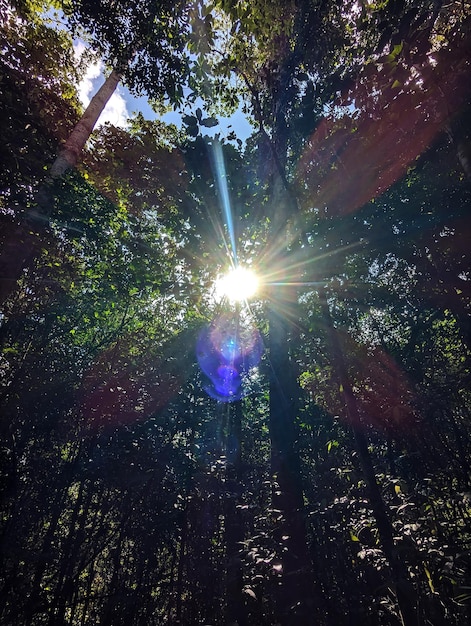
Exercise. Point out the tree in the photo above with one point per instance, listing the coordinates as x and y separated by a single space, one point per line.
37 69
145 46
335 492
275 92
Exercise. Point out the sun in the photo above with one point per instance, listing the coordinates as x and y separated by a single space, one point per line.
238 284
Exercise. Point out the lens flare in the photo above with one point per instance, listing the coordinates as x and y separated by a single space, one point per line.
227 350
221 178
237 285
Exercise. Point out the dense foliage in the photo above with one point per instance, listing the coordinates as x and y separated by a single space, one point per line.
337 491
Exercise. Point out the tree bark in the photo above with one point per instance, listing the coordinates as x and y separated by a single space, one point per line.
70 152
236 612
298 599
23 243
405 594
462 146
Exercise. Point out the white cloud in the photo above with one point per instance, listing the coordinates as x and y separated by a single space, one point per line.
115 112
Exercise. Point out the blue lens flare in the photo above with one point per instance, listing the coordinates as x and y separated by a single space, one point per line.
227 350
221 178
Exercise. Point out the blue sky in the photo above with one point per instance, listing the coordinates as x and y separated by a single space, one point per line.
122 105
237 122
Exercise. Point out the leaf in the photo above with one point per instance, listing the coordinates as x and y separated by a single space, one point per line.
190 120
250 592
209 122
10 350
332 444
464 596
353 537
429 580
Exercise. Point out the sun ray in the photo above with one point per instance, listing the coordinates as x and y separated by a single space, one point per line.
221 179
297 272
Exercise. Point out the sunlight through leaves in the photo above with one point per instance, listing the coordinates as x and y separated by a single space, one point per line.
237 285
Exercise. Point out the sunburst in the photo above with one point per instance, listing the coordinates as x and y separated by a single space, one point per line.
239 284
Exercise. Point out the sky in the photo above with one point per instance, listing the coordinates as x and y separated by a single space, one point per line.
117 110
123 104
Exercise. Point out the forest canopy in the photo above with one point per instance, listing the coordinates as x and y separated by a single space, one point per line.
294 450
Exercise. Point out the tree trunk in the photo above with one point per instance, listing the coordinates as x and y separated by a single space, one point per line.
462 146
23 243
297 599
233 527
405 594
62 590
181 566
70 152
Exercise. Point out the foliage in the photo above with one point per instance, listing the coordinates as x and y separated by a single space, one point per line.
128 496
144 42
37 68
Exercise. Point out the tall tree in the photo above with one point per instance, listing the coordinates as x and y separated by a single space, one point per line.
124 496
144 45
285 76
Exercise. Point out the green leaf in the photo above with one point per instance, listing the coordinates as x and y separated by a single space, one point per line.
332 444
429 580
190 120
209 122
